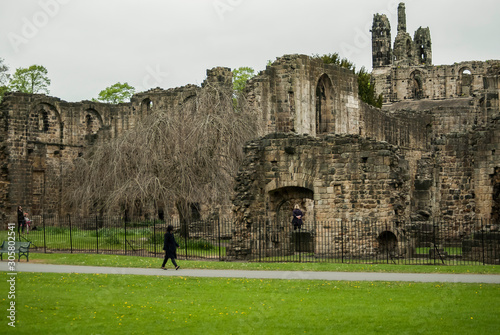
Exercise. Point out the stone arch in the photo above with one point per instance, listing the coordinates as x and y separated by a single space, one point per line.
388 242
146 107
495 210
325 113
409 53
422 55
464 85
416 85
92 122
45 123
282 201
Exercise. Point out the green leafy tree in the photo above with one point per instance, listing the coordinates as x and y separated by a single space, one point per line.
30 80
240 77
366 90
116 93
4 78
335 59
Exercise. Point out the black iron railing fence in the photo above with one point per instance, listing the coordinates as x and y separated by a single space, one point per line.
338 241
354 241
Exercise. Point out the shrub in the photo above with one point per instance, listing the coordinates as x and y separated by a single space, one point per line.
56 230
155 238
197 244
112 240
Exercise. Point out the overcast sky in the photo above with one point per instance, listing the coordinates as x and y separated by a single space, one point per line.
87 45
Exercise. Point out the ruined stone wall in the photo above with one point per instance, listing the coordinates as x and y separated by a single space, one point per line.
408 130
406 72
301 94
41 136
399 83
452 180
285 96
345 176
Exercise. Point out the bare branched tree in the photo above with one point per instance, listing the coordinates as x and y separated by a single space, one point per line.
174 158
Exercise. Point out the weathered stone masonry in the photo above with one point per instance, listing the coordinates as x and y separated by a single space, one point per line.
40 135
333 177
439 127
430 154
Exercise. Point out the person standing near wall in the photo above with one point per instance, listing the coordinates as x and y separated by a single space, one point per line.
27 223
20 218
170 246
297 217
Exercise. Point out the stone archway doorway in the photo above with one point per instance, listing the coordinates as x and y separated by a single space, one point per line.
388 243
495 210
282 202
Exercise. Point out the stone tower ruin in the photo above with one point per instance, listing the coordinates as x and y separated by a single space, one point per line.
429 155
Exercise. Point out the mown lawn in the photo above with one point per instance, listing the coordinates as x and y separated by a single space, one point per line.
152 262
123 304
115 240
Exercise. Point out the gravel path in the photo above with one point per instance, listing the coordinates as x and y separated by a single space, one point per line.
304 275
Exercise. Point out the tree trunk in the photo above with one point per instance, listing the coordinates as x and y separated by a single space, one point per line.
183 209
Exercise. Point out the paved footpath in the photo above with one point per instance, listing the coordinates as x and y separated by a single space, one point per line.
305 275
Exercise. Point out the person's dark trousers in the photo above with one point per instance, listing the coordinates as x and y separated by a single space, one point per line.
166 259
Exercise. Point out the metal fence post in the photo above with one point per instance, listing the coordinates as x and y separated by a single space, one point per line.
300 240
70 234
218 228
342 239
482 240
44 238
97 235
154 236
256 232
186 237
125 233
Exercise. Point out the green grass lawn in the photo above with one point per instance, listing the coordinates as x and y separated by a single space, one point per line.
121 304
116 240
152 262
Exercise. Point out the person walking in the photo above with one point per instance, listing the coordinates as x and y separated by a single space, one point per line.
297 217
170 246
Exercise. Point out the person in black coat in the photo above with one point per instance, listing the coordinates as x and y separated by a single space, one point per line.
297 217
170 246
20 219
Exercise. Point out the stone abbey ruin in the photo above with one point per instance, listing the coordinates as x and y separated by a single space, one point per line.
431 153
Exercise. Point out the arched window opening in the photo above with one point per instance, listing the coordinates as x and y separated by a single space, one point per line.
43 121
423 56
146 107
325 118
92 123
465 83
416 89
89 121
408 48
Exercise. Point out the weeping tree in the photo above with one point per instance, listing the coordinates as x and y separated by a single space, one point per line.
175 157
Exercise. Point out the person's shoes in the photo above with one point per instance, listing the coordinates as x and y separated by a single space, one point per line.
163 268
177 267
